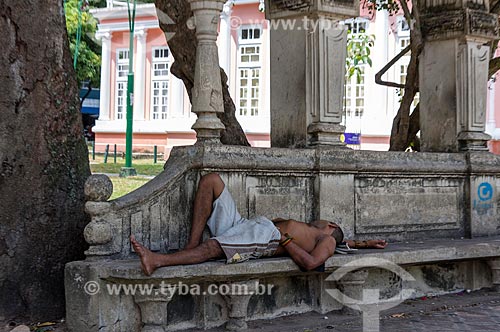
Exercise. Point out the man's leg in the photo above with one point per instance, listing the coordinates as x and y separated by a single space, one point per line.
150 261
209 189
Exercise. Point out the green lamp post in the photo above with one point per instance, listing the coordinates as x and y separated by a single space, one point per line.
128 170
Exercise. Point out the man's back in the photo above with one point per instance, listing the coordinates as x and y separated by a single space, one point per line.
304 235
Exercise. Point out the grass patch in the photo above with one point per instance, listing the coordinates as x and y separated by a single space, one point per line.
142 166
122 186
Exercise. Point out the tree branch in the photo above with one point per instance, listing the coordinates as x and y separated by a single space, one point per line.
494 66
401 124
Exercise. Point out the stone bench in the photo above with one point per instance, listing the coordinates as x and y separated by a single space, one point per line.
439 266
396 196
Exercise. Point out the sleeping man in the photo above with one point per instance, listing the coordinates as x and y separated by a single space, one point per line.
238 239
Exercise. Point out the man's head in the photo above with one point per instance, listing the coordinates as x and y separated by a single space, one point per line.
337 232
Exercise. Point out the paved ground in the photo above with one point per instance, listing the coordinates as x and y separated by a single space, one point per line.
476 311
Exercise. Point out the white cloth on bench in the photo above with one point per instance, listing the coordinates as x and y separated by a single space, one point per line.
241 239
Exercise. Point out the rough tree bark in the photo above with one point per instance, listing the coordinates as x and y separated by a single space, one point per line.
402 126
183 48
43 160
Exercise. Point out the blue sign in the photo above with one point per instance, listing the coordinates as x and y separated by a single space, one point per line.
91 102
351 138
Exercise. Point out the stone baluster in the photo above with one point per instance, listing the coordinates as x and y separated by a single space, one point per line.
495 273
100 233
453 74
237 303
154 309
319 290
207 91
352 288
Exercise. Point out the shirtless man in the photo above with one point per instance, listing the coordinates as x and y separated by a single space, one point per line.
238 239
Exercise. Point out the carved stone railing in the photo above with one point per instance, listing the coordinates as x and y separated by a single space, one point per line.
368 193
409 197
157 213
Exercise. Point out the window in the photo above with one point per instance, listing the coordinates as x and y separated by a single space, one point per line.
122 58
403 27
354 99
356 25
402 66
249 71
159 77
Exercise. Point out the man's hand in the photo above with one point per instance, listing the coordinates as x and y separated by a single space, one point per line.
377 244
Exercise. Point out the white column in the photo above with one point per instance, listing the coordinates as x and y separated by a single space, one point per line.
104 104
491 124
379 122
176 105
140 75
225 38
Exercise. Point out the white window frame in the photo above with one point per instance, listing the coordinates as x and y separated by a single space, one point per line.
121 80
356 22
353 112
161 79
251 65
403 27
402 64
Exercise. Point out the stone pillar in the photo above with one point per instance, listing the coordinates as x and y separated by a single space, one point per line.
483 200
495 273
308 71
453 74
491 125
140 75
153 311
351 287
238 304
99 232
225 38
104 103
319 288
207 90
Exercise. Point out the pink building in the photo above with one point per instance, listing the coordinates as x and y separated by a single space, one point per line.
162 111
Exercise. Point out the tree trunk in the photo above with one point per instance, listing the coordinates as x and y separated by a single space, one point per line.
494 66
173 16
400 134
43 160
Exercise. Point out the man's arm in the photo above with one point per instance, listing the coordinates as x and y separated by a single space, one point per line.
309 261
373 244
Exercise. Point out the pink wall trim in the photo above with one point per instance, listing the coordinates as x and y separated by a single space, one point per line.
137 19
145 142
375 139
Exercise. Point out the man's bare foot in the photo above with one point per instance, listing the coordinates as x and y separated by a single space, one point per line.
146 256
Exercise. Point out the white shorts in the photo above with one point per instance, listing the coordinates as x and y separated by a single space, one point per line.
241 239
